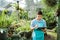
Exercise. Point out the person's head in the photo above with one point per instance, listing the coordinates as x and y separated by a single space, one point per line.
39 15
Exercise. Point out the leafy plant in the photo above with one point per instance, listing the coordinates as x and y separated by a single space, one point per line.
51 2
5 19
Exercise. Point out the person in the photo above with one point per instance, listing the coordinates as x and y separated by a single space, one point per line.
38 26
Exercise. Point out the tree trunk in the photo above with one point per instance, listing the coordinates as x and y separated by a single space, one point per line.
58 31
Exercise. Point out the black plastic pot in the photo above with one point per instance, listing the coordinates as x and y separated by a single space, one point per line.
3 34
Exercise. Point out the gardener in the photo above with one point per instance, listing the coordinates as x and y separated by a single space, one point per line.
38 25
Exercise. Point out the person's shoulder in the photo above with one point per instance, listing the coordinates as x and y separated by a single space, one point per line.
33 20
43 20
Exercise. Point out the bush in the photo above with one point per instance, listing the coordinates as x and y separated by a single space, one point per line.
51 2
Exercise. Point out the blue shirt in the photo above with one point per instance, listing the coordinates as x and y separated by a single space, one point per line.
38 35
40 23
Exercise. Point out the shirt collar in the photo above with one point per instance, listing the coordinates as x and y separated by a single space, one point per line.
38 20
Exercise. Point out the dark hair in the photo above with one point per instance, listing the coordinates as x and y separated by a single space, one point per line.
39 13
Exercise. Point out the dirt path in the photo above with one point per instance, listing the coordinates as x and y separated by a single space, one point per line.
49 37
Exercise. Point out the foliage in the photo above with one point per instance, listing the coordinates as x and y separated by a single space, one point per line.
25 26
50 18
23 15
49 14
58 11
50 3
4 19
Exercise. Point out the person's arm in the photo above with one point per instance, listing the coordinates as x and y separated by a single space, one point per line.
33 26
45 27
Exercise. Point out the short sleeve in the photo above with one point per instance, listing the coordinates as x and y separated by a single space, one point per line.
32 24
45 24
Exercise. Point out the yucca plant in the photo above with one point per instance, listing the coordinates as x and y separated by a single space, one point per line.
5 20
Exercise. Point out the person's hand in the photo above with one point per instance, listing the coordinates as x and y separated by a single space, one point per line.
36 26
44 30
